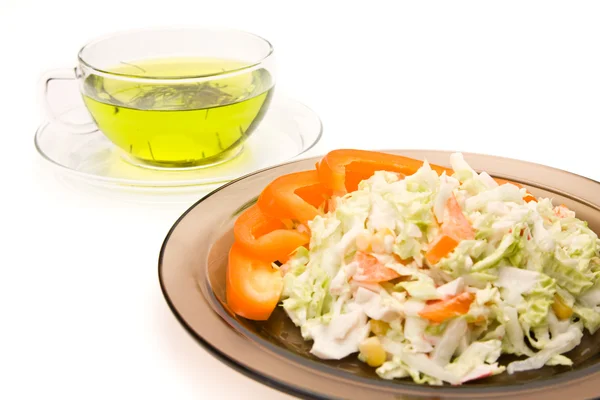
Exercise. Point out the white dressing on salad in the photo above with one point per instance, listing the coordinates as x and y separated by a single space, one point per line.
340 337
377 307
527 284
515 282
452 288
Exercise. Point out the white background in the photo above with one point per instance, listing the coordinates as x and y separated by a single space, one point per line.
82 316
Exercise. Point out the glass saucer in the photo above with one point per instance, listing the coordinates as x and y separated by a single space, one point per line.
288 129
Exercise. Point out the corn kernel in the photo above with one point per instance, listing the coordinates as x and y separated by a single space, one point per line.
561 309
387 231
372 352
379 328
363 242
383 241
378 242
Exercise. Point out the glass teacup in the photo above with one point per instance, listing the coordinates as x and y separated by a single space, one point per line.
174 98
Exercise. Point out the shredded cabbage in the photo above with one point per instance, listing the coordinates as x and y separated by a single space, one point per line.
532 277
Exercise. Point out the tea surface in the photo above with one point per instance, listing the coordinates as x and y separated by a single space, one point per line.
178 124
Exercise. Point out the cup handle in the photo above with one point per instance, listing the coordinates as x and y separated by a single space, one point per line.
63 74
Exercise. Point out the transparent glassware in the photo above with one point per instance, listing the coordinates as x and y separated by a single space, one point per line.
172 97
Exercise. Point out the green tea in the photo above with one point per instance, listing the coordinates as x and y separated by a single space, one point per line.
171 123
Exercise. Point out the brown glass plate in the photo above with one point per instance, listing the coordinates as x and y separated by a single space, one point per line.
192 277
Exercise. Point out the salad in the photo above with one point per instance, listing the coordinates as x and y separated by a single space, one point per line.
421 271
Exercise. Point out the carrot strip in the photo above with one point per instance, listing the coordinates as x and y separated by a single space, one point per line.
441 310
443 246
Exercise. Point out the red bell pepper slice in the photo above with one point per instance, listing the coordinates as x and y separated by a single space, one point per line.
266 238
253 287
342 170
296 197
